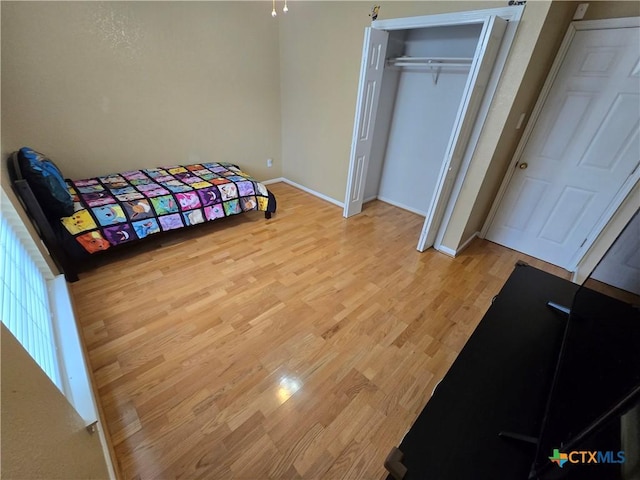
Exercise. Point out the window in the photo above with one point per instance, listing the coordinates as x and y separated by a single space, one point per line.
24 301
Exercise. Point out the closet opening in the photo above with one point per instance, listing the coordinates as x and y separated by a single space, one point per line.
425 87
422 87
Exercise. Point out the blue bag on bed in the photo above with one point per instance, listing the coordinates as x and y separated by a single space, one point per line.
46 182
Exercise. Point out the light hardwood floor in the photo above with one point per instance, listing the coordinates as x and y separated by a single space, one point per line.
299 347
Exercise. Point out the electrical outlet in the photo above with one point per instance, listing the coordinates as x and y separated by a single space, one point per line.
269 162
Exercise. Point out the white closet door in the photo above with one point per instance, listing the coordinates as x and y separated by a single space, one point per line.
371 70
620 267
481 67
581 152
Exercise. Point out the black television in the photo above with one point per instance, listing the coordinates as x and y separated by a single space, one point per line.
591 426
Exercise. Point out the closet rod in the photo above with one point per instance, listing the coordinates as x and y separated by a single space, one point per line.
429 62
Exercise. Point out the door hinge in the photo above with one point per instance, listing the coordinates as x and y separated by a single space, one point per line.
583 242
91 428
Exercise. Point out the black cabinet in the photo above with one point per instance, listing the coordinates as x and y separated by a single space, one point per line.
500 382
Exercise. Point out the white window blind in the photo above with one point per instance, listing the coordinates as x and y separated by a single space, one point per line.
24 301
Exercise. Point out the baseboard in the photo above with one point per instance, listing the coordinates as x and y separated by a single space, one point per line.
78 384
454 253
446 250
467 242
273 180
308 190
402 206
370 199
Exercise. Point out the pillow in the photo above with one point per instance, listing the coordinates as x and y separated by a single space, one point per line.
46 182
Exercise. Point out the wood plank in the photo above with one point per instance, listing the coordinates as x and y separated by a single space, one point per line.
299 347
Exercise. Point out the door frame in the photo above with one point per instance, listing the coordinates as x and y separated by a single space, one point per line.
512 14
630 182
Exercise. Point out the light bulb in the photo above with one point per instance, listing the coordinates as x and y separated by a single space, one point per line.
285 9
273 12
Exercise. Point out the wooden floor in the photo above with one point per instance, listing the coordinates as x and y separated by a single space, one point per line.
299 347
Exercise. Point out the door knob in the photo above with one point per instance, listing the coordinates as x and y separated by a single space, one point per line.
523 166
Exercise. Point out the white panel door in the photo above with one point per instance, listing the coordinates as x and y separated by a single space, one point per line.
479 74
583 149
371 71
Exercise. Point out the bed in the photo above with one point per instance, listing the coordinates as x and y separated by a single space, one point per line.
78 219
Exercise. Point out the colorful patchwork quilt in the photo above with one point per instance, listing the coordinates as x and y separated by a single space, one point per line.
127 206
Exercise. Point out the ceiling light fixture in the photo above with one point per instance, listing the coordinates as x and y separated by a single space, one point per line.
274 13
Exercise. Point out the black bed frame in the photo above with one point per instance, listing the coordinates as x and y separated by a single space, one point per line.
64 262
39 220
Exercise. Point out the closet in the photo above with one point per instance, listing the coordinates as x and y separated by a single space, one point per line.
421 96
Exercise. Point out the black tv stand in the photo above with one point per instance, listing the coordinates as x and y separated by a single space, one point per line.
520 437
499 383
559 308
575 383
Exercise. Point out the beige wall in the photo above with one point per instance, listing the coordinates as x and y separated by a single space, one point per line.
612 9
109 86
319 75
320 51
42 435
